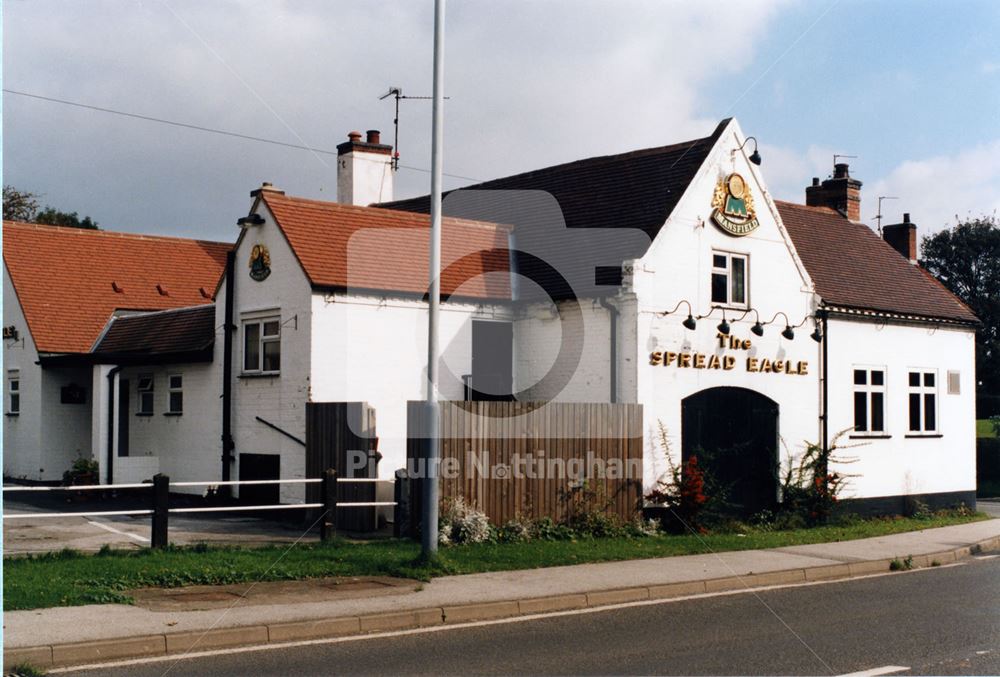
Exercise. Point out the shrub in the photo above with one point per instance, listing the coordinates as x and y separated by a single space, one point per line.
917 509
546 529
809 487
82 468
461 523
516 530
640 528
681 490
586 512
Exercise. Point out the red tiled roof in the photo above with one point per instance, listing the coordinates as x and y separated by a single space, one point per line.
347 247
64 278
854 268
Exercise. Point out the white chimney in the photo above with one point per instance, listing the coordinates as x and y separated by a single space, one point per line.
364 170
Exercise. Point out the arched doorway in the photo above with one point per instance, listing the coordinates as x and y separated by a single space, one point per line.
734 434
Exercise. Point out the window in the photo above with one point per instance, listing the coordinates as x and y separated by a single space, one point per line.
923 401
869 400
262 346
14 392
729 279
175 400
144 387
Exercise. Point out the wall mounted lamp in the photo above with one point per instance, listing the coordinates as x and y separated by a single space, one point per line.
690 322
789 331
755 155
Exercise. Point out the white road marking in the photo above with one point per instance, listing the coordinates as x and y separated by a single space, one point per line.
478 624
106 527
885 670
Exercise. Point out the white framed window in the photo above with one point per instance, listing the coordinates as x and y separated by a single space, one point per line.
729 279
175 394
262 345
922 391
144 389
14 392
869 400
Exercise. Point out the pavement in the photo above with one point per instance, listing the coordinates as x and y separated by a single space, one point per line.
97 633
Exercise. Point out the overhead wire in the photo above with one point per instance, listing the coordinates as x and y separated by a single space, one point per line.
210 130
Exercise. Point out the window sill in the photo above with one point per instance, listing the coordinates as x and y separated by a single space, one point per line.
173 413
143 413
12 414
252 375
916 436
861 436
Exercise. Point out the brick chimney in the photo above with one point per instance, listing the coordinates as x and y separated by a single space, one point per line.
364 170
840 192
903 238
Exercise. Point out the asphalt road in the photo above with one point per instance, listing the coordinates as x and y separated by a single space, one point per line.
933 621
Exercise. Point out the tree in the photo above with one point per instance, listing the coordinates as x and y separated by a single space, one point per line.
18 205
966 259
23 206
54 217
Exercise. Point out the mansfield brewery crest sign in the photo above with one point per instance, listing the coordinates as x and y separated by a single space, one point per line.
732 206
260 262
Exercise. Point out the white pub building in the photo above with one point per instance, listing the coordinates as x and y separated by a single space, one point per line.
746 327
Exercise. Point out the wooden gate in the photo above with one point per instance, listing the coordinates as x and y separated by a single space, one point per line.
514 459
336 432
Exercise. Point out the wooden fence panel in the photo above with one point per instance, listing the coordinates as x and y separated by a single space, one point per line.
531 459
334 429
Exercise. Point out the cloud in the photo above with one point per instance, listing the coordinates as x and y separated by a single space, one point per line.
531 84
935 190
788 171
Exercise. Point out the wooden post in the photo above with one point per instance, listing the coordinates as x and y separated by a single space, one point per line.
161 510
401 513
328 529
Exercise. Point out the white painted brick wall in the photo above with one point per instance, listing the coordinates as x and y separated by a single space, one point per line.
188 446
22 434
678 266
538 334
901 464
374 349
279 399
134 469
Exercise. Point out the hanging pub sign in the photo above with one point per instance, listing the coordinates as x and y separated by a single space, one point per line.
732 206
260 262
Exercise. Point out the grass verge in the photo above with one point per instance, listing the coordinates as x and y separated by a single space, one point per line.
70 578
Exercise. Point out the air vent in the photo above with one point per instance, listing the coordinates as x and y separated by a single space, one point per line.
954 383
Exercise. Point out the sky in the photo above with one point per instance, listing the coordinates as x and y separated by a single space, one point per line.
912 88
